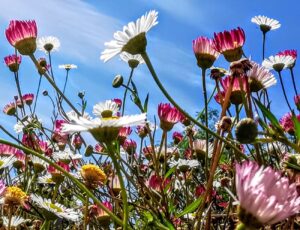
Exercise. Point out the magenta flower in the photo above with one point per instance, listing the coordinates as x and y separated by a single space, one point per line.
287 123
129 146
237 92
118 101
204 52
13 61
7 150
177 137
28 98
230 43
297 101
124 132
22 35
2 187
265 196
168 116
219 97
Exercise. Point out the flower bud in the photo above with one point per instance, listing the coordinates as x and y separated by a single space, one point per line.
118 81
246 131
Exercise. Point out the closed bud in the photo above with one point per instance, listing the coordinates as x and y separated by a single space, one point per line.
246 131
118 81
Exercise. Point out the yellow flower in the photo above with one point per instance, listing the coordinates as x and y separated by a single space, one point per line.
15 196
92 175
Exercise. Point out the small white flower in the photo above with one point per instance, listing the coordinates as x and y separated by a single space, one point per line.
74 114
260 77
25 122
67 66
278 62
15 221
48 44
55 208
36 160
47 179
133 29
66 155
200 147
266 23
125 56
80 124
105 106
185 163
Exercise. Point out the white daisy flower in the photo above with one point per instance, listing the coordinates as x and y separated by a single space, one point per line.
278 62
132 38
66 155
81 124
55 209
200 147
182 163
67 66
15 221
47 179
6 161
266 23
260 78
26 122
48 44
106 108
126 57
74 114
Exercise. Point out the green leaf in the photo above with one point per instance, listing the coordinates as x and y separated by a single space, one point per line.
296 167
146 103
268 114
168 224
149 216
191 207
170 171
297 126
134 88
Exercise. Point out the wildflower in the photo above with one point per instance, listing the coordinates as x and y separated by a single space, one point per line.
92 175
14 222
265 197
132 39
266 24
237 93
106 127
124 132
114 184
10 109
204 52
56 175
48 44
14 196
13 62
230 43
107 108
77 141
239 68
287 123
217 73
39 165
7 150
199 146
6 161
278 62
168 116
184 165
67 66
177 137
101 216
297 101
22 36
55 210
290 53
132 60
28 98
246 131
260 78
129 146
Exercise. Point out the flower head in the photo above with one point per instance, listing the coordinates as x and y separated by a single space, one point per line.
13 62
67 66
199 147
53 210
14 222
177 137
266 24
106 109
22 35
14 196
287 123
204 52
133 37
129 146
132 60
48 44
28 98
230 43
168 116
265 196
237 93
92 175
185 165
260 78
10 109
278 62
290 53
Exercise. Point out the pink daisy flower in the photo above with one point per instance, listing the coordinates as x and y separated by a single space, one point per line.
10 109
237 92
13 61
168 116
28 98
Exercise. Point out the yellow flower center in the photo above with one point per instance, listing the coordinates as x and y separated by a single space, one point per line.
16 192
53 206
1 163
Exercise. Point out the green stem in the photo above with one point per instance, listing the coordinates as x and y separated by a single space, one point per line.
55 193
164 91
126 89
284 93
55 86
206 119
68 175
46 225
123 189
9 217
86 212
65 85
37 93
264 44
293 79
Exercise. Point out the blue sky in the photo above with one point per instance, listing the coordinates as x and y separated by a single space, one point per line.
84 26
